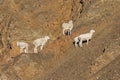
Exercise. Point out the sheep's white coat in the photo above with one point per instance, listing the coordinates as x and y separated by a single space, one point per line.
23 46
86 36
40 42
67 27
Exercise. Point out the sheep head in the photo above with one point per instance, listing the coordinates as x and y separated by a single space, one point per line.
47 37
92 31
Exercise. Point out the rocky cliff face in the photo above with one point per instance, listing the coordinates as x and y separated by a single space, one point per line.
27 20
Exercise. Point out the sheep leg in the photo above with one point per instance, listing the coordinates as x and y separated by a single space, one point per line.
35 49
69 32
21 50
75 44
76 41
42 47
80 44
87 42
26 49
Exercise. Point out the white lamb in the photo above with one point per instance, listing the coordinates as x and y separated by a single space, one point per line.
67 27
84 37
23 46
40 42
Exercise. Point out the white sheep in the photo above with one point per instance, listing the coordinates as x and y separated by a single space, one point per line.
67 27
84 37
40 42
23 46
